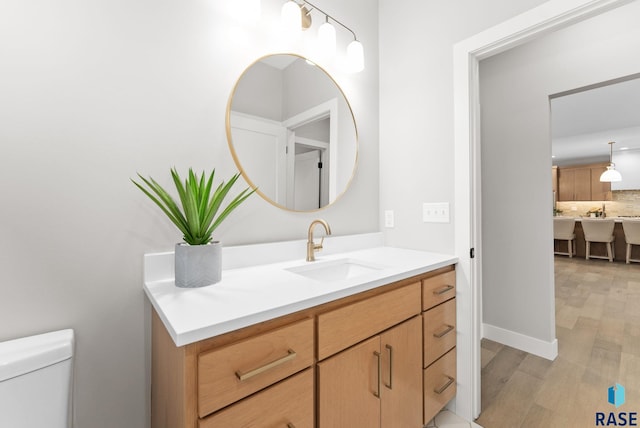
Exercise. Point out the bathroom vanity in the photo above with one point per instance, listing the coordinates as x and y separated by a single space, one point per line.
297 344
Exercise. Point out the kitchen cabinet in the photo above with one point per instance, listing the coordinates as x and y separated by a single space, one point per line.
574 184
376 383
582 183
354 361
599 191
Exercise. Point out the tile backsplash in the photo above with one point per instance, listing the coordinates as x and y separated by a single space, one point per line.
623 203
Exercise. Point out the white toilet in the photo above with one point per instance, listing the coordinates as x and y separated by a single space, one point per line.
36 381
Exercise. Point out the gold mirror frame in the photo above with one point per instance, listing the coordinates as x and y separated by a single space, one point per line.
247 175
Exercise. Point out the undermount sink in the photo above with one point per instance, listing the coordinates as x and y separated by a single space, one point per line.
333 270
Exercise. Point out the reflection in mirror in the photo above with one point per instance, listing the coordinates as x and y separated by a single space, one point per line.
292 133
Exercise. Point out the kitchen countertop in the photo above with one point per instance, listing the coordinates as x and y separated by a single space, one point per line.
252 294
617 219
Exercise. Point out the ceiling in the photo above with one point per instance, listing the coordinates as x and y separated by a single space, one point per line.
583 123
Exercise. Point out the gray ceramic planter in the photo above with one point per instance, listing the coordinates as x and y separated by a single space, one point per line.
198 265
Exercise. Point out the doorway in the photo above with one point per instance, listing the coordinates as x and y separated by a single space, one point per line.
467 54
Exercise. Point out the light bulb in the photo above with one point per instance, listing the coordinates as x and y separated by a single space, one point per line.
355 56
327 39
290 16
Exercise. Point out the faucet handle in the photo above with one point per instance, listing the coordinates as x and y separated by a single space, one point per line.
318 247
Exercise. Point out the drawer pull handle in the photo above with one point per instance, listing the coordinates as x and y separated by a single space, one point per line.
251 373
290 425
445 386
444 332
377 392
390 349
443 290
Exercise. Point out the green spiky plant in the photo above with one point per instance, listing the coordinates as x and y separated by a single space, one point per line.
197 214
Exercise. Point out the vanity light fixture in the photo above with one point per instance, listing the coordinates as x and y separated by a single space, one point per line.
611 175
327 38
296 16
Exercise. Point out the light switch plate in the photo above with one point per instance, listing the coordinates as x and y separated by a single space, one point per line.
388 218
435 212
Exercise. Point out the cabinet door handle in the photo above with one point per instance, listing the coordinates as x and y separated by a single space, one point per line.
447 330
290 425
443 290
390 349
251 373
377 392
445 386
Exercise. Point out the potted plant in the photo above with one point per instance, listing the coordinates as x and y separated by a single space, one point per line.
198 260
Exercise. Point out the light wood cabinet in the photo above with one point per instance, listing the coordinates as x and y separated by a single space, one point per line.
356 361
439 341
439 384
341 328
230 373
599 191
376 383
286 404
582 183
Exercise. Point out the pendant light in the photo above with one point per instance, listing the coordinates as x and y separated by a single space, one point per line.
611 175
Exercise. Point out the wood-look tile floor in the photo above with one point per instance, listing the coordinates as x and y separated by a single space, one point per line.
598 331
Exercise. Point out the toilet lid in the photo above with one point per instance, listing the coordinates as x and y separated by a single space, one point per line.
26 354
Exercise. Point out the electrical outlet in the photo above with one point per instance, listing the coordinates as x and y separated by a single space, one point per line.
388 218
435 212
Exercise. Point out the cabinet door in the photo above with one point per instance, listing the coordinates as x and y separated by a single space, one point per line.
566 186
349 387
401 393
599 191
583 184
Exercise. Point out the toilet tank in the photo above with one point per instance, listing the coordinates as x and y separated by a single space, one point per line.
36 381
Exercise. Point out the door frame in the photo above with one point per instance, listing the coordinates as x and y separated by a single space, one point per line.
537 22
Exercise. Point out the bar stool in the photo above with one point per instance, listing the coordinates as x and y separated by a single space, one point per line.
599 230
563 230
631 236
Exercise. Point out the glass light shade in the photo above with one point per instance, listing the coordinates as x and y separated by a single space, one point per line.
327 39
290 16
610 175
355 56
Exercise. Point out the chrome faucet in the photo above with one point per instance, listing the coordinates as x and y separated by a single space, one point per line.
311 246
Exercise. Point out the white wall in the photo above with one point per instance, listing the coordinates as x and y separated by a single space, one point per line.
416 108
518 292
628 163
93 92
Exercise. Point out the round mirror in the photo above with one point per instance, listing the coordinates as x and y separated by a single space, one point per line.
292 133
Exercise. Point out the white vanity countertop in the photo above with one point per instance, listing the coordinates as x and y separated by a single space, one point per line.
253 294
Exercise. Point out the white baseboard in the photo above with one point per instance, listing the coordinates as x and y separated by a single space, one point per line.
548 350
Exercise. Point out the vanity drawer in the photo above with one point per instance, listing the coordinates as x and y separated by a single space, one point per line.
439 327
288 402
343 327
439 384
438 289
230 373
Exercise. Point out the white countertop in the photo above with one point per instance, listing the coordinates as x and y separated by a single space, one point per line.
252 294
